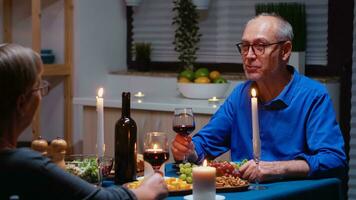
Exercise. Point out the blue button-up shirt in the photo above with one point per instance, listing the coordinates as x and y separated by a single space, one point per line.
298 124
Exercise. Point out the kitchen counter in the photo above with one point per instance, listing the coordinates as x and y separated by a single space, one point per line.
158 103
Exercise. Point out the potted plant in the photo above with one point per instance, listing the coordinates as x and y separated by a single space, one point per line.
142 52
294 13
186 36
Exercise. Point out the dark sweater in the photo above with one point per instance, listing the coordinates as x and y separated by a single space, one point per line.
29 175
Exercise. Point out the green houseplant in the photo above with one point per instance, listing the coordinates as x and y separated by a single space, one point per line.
142 55
294 13
187 36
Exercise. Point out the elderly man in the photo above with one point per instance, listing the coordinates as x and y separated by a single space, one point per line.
298 130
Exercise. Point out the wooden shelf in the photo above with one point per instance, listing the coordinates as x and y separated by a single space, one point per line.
56 70
52 69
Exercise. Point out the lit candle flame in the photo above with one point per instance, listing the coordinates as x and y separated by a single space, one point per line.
155 146
100 92
253 92
205 163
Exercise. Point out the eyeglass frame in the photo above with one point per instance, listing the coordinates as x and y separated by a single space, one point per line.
254 46
43 88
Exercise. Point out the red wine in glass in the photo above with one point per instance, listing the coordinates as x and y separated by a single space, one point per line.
184 130
183 122
156 158
156 149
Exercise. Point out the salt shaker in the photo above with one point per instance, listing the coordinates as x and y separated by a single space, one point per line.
40 145
58 149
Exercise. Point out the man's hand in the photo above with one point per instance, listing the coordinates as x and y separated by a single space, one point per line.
152 188
275 170
181 147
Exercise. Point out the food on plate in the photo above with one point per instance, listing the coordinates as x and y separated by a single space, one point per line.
223 169
173 184
229 181
86 169
185 171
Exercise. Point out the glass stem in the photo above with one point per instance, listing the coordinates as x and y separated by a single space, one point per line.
257 161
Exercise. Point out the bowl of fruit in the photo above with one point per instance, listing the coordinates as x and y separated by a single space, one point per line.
202 84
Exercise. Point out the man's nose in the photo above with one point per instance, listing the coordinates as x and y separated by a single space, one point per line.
250 52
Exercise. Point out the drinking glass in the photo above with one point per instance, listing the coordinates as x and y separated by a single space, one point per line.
257 159
156 149
105 166
183 122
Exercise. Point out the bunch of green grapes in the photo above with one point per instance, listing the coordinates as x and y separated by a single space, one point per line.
185 170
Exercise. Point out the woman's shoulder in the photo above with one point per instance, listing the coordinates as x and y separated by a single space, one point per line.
22 157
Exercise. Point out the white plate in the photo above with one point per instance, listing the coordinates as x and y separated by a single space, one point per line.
217 197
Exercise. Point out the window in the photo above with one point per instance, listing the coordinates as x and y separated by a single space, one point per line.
221 27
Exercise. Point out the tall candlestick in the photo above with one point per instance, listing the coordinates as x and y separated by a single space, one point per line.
204 182
255 126
100 123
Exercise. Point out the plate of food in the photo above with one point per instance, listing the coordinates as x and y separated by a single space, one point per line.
227 175
176 186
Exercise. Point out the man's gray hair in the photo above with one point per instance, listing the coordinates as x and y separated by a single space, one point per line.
285 30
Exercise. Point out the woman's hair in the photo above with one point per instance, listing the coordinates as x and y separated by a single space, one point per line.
18 73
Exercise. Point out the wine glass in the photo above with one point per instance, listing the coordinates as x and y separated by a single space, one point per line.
156 149
183 122
257 159
105 165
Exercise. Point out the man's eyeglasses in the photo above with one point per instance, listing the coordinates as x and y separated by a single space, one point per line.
258 49
43 88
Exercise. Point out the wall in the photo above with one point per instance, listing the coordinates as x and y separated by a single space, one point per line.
99 46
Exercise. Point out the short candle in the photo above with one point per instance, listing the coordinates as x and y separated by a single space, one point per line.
213 99
204 182
139 94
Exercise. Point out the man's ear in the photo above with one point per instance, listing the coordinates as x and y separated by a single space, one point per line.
20 105
286 50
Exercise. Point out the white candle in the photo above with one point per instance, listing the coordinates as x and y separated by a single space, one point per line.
255 126
139 94
100 123
204 182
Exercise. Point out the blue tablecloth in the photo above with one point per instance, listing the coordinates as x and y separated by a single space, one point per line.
329 188
324 189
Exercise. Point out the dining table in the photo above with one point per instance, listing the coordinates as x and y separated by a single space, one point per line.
325 188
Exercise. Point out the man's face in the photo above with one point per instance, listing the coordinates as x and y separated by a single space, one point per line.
261 31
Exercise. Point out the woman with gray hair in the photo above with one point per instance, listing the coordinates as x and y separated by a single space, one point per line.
25 173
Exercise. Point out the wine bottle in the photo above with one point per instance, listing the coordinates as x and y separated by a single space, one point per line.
125 144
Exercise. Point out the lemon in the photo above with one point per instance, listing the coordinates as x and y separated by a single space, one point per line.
183 80
202 80
214 75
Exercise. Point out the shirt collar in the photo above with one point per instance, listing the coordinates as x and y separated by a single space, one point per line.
285 97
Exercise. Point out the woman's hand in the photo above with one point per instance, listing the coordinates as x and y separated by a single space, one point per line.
153 187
